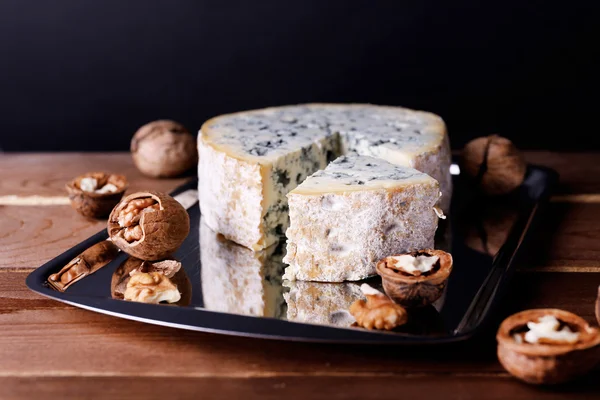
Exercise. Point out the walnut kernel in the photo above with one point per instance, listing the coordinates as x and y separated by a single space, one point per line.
378 312
151 287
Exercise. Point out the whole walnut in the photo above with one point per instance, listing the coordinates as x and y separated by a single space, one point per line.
163 149
148 225
495 164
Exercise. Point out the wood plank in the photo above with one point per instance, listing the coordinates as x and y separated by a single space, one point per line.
568 235
46 338
63 342
14 295
578 171
380 386
30 236
45 174
574 292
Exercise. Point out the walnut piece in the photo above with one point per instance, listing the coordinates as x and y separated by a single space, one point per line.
129 217
88 184
151 287
167 267
378 312
86 263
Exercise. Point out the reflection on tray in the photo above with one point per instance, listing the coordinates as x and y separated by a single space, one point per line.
239 281
321 303
488 225
121 277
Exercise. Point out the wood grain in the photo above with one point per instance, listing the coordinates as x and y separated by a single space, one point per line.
566 236
45 174
30 236
14 295
381 386
578 171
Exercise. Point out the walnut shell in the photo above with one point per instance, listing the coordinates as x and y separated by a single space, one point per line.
86 263
495 164
487 226
598 306
93 204
151 231
122 275
164 149
548 363
416 291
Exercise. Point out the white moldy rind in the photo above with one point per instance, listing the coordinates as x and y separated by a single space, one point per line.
230 194
284 143
354 213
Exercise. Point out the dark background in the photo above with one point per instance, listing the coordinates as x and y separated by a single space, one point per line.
84 75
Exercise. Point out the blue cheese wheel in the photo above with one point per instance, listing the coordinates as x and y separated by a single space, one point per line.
250 161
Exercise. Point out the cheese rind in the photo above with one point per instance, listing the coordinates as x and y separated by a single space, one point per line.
355 212
249 161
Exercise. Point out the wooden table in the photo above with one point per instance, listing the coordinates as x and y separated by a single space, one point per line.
51 350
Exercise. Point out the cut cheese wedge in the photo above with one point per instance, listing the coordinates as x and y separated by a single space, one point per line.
354 213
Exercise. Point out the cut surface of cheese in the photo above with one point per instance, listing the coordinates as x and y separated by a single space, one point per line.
237 280
321 303
355 212
250 161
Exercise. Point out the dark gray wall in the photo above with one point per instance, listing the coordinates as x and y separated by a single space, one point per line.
83 75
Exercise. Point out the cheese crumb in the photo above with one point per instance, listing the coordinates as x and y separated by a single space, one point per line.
415 265
108 188
439 212
88 184
547 328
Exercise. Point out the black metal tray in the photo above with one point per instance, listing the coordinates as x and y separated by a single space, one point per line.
485 237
